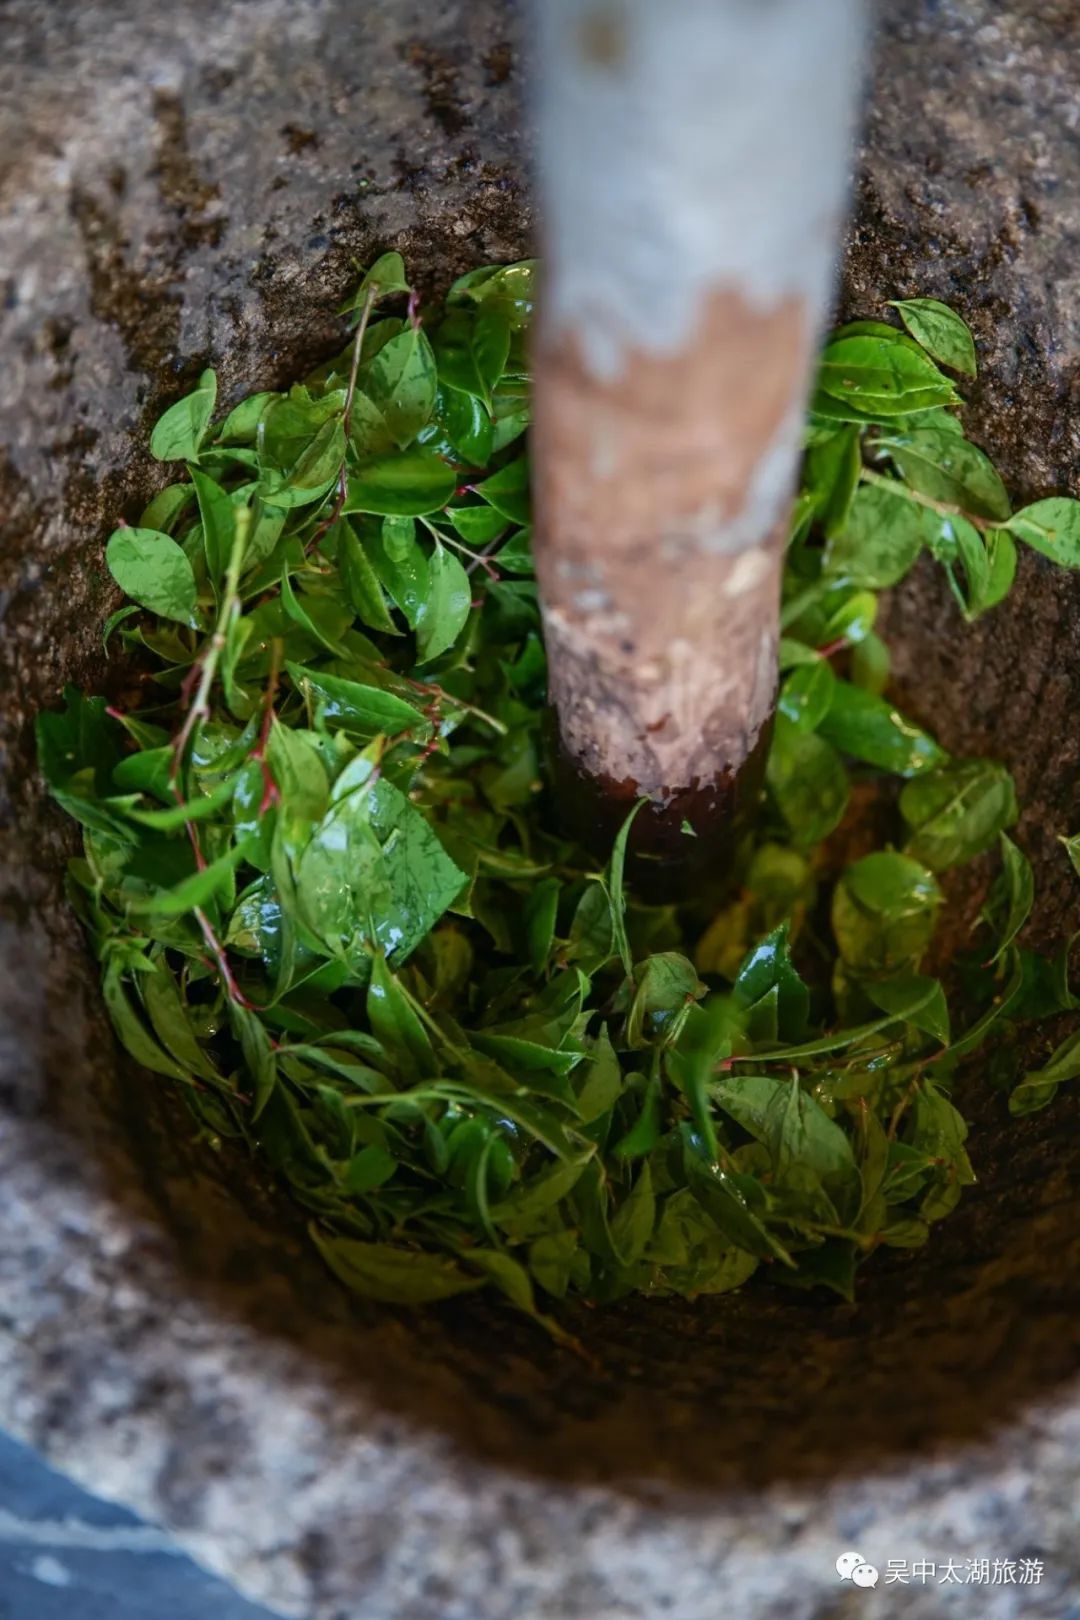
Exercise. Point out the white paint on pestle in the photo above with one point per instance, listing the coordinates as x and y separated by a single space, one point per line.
686 145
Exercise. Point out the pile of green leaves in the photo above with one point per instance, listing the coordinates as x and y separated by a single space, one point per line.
330 898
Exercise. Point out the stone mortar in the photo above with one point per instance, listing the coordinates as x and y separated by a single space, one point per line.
193 184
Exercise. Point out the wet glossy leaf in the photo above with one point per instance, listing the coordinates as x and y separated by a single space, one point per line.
374 874
807 782
767 967
879 542
957 811
363 710
445 607
870 729
412 484
401 382
362 582
508 491
806 694
883 912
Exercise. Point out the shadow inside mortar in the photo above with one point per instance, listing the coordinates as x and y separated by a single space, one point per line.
943 1347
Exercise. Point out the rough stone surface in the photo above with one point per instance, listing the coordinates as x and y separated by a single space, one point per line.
193 181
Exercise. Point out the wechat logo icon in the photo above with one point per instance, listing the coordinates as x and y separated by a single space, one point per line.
851 1566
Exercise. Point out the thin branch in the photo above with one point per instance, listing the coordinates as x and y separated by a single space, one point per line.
358 343
205 667
943 507
346 421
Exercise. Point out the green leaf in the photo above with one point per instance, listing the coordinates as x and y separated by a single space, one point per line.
614 888
632 1224
665 984
472 350
880 541
163 510
551 1261
81 741
600 1082
362 582
541 910
767 967
401 382
807 782
796 1130
199 890
297 609
957 811
940 330
542 1193
445 608
386 276
871 664
806 694
317 468
393 1276
241 426
364 711
412 484
914 996
258 1055
468 425
883 912
374 874
401 564
1001 571
948 468
830 1265
477 525
644 1133
132 1033
1051 527
172 1024
706 1039
872 378
734 1203
871 729
218 524
1019 895
179 433
1038 1086
832 478
394 1019
510 287
508 491
153 570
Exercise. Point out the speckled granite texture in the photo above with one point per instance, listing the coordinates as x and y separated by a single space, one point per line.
194 181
